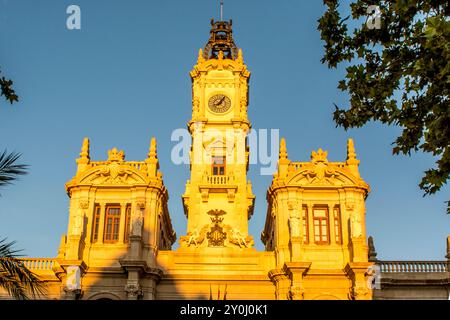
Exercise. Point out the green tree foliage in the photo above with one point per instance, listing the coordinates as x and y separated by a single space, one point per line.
7 90
397 74
15 278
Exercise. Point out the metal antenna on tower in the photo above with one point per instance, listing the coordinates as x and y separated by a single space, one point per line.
221 10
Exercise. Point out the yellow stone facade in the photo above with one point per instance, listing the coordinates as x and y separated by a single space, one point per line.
120 236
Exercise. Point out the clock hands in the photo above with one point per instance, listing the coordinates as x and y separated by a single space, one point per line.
220 101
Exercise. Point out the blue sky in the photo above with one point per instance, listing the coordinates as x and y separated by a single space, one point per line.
124 77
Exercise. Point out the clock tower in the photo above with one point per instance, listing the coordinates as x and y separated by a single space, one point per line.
218 200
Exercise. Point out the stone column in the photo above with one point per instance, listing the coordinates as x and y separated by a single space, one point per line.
133 288
331 224
310 215
281 282
295 229
123 218
101 226
357 273
296 271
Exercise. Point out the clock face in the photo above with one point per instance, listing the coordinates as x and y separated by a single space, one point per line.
219 103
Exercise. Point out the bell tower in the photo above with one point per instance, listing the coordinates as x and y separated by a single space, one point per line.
218 201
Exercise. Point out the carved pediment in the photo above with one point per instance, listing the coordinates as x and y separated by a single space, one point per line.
113 173
321 174
218 144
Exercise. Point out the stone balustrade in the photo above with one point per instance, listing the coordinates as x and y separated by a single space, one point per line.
412 266
39 264
218 180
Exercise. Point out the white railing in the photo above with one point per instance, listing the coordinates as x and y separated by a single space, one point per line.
39 263
412 266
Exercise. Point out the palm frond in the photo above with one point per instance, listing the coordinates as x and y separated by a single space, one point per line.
15 278
9 171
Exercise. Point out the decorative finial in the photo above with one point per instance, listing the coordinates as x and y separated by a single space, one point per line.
351 154
352 162
152 161
283 149
152 154
240 56
115 155
85 149
319 156
221 10
372 251
62 247
84 159
200 58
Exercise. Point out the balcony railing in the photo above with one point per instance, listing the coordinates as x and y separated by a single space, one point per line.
412 266
138 165
40 264
218 180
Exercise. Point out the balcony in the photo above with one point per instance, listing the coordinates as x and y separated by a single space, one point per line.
412 266
220 180
218 184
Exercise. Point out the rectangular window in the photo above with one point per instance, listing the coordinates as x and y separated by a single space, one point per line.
127 223
218 166
96 223
305 224
112 222
321 225
337 224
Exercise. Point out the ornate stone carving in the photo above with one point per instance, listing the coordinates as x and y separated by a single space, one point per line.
216 237
205 195
137 220
238 238
296 293
78 222
133 290
294 223
319 156
84 205
355 225
196 105
195 237
115 155
359 293
113 173
231 193
350 206
292 205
